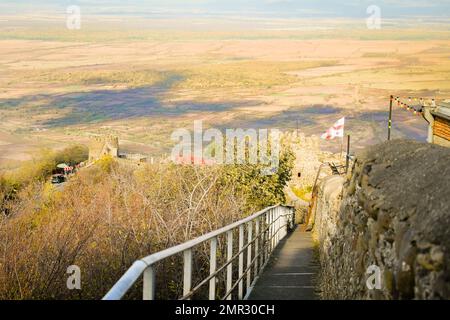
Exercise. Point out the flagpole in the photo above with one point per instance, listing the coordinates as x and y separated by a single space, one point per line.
347 158
390 118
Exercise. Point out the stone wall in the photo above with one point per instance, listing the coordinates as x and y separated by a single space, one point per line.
392 212
309 158
100 146
325 220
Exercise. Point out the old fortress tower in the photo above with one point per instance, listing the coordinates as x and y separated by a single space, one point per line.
101 146
108 145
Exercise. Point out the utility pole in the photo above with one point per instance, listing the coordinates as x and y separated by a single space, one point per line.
390 119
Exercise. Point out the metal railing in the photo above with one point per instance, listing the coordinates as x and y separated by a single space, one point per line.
270 226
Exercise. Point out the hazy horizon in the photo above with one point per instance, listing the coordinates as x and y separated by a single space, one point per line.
248 8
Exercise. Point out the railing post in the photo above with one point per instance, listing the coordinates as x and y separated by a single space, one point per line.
292 219
257 235
212 268
230 266
279 223
187 282
286 221
149 284
277 226
289 220
272 235
249 255
269 232
241 262
264 240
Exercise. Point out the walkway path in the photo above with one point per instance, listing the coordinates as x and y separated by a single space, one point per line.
296 201
291 272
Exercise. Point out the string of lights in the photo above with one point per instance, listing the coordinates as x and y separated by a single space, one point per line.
415 109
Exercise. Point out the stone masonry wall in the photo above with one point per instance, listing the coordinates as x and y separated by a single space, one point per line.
392 212
325 219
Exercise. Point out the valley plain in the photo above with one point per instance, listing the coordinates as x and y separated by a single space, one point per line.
59 86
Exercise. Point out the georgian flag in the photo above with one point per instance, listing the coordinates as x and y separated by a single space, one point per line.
336 131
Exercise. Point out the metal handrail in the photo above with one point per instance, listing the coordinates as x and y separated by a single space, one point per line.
265 221
228 263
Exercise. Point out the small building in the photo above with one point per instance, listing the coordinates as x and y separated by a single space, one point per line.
438 118
101 146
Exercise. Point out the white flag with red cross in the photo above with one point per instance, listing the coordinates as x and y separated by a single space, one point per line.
336 131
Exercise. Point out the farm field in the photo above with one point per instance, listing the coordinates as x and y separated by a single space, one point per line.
58 87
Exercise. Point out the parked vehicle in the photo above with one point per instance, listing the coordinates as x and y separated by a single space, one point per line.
58 179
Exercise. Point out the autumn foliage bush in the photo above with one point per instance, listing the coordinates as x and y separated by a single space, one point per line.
114 213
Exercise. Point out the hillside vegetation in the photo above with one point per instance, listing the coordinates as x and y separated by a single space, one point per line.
36 171
113 213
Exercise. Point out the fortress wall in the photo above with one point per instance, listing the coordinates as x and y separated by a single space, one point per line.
97 146
392 212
